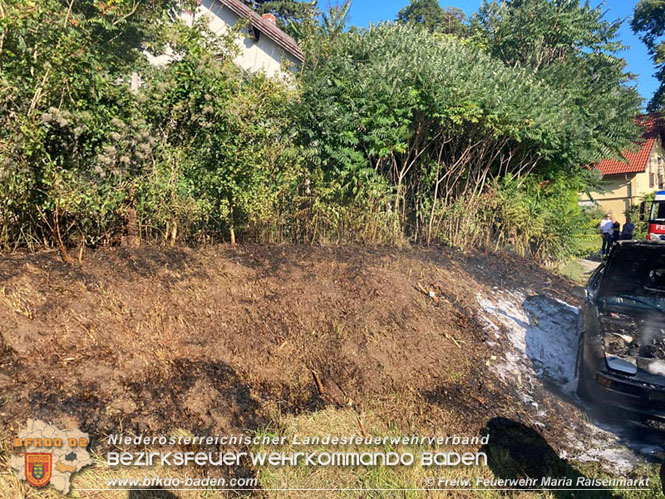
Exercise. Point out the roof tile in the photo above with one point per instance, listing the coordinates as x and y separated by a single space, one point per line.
636 162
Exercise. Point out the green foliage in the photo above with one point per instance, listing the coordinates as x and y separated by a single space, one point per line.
295 17
381 116
539 217
649 23
201 151
640 213
62 67
569 46
336 20
412 131
224 143
434 18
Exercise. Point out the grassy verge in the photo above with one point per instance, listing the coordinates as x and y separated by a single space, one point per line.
360 481
378 481
574 271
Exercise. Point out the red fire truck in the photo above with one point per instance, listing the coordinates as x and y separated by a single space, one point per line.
656 229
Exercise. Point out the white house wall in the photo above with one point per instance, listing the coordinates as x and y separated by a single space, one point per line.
262 55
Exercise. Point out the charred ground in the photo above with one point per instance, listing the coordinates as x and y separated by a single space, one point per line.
224 339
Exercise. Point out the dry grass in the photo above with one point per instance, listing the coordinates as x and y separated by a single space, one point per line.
398 481
19 300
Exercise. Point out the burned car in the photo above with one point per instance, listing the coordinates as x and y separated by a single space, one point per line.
621 356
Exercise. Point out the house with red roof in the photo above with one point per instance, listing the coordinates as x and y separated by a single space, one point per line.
641 172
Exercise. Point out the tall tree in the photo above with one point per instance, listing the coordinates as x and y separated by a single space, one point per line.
649 23
337 19
571 46
293 16
428 122
432 16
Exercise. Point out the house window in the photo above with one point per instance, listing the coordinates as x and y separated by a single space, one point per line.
652 182
660 172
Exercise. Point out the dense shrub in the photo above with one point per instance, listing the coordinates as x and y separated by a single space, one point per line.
456 144
388 135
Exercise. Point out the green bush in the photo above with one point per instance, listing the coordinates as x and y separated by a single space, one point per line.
388 135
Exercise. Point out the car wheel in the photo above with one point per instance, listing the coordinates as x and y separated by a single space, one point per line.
582 386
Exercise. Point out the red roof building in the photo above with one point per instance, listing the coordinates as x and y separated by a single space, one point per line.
626 182
636 161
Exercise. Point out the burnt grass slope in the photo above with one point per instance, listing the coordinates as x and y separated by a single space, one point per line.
224 339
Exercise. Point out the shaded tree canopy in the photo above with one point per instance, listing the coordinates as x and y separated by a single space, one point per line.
571 46
293 16
649 24
432 16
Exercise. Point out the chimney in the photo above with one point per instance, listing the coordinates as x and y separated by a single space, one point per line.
269 17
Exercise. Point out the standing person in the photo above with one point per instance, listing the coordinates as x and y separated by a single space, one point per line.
616 230
628 228
606 233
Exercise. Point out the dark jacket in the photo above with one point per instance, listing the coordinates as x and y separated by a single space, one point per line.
616 231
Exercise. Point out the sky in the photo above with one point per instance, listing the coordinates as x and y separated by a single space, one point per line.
364 12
